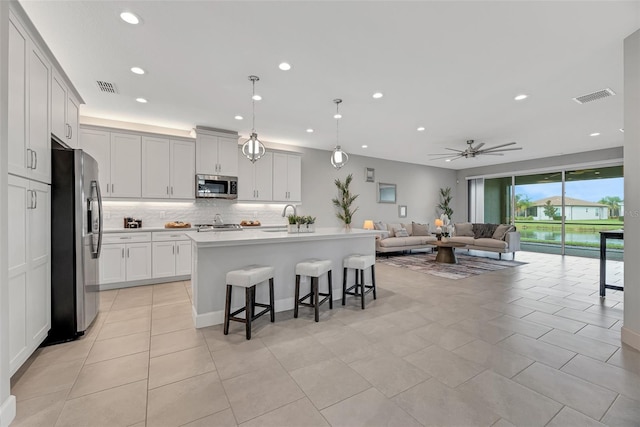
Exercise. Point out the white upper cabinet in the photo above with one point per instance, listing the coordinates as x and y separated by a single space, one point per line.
64 112
126 156
216 154
168 168
28 100
287 177
255 179
98 145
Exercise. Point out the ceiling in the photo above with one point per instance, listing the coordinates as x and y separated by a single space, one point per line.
452 67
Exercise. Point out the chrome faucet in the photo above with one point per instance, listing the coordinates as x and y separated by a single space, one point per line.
218 219
284 211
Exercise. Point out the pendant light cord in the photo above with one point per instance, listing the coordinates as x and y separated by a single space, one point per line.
253 106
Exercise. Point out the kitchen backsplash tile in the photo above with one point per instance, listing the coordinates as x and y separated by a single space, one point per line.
156 214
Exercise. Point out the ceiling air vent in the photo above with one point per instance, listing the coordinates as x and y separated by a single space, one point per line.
106 87
595 96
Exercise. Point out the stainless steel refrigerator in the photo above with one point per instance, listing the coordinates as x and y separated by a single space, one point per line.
76 241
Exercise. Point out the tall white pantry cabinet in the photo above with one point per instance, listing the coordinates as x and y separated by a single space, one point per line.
34 103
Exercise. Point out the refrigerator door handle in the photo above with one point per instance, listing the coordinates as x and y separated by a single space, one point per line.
95 203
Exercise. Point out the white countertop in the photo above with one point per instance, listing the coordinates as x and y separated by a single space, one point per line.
250 236
147 230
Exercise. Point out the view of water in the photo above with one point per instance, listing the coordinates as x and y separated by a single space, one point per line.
556 236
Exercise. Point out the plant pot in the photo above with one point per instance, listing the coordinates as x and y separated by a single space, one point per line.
293 228
309 228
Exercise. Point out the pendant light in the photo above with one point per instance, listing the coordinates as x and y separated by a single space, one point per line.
253 149
338 158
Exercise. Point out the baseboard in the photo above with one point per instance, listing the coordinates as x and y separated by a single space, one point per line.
156 281
631 338
8 411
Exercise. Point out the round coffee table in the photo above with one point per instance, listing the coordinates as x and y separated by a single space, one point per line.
446 253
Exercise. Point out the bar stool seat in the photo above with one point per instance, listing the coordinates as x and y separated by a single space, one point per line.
248 277
359 289
313 268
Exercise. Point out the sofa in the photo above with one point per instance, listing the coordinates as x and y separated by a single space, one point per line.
398 237
500 238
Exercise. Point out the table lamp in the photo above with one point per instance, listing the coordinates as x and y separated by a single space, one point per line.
368 224
439 223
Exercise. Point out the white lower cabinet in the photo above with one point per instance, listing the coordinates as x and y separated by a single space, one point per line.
171 255
142 257
125 257
29 262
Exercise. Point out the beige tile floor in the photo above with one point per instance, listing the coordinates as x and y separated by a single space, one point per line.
529 345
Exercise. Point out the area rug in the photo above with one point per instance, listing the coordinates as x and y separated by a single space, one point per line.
467 265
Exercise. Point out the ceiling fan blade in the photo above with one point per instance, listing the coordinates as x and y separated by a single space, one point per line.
490 154
479 146
502 149
501 145
443 154
456 158
446 157
453 149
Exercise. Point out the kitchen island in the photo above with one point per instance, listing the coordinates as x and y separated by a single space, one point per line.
216 253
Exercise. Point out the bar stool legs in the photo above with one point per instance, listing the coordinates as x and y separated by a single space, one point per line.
313 269
359 289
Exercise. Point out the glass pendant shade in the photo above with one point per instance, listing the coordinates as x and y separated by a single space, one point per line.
253 149
339 158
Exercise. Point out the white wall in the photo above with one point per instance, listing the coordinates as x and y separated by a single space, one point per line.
7 402
631 328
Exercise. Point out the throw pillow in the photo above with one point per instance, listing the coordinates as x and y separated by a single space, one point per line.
420 229
502 230
400 232
380 226
409 228
391 228
484 231
464 229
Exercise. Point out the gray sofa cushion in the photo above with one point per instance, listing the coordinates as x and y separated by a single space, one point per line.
380 226
464 229
502 231
467 240
491 243
420 229
400 232
409 228
391 227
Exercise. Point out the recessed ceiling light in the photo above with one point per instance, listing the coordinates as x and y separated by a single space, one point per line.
309 130
595 134
365 146
284 66
621 130
129 18
141 100
521 97
448 160
337 116
238 117
378 95
256 97
137 70
421 129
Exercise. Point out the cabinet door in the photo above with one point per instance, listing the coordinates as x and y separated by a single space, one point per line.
246 180
98 145
264 177
280 179
183 258
126 176
228 156
19 201
294 178
156 168
138 261
58 108
183 169
164 259
207 154
38 107
17 96
112 264
73 113
38 296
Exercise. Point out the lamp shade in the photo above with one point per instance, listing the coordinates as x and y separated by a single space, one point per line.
368 224
439 222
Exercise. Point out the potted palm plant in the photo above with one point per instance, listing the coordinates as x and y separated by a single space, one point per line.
344 200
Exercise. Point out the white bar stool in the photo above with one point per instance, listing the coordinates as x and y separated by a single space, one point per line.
313 268
359 263
248 277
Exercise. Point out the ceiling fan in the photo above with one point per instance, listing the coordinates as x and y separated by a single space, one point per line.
475 150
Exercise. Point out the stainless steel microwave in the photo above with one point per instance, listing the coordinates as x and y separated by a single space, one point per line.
215 186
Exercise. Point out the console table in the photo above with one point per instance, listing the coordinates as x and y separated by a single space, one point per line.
604 235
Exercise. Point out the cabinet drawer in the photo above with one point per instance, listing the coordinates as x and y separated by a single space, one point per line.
108 238
168 236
